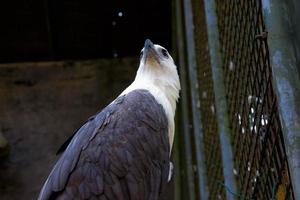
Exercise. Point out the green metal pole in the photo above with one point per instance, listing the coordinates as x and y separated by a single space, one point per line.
185 121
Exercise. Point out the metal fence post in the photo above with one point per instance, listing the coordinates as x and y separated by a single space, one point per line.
184 99
193 81
286 81
220 98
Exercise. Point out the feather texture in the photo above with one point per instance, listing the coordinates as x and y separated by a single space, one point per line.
120 153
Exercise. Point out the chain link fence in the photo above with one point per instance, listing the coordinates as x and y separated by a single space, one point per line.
260 159
260 162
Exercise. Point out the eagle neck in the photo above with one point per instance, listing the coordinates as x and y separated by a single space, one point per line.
160 94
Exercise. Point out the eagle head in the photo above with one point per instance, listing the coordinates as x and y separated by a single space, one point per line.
158 68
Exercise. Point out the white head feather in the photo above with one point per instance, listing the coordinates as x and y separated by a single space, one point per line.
157 73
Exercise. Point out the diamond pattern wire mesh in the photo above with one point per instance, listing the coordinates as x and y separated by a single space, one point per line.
212 151
260 160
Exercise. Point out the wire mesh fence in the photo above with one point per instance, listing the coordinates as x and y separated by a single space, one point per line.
260 160
260 165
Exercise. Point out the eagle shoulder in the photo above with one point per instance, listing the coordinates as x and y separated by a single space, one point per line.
120 153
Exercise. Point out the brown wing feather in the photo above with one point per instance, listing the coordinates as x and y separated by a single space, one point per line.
123 153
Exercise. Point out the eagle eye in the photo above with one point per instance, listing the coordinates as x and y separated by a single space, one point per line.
164 53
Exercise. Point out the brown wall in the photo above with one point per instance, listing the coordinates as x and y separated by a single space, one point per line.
41 104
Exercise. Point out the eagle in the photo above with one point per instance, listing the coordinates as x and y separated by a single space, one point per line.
123 152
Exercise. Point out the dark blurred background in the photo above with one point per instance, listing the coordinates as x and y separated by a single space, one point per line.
80 29
60 62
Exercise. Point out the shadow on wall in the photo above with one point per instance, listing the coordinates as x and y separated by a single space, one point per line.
41 105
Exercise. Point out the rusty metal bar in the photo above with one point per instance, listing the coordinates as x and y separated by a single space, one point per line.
220 98
193 82
286 81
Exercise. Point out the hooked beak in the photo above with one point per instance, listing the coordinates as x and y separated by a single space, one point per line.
150 53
